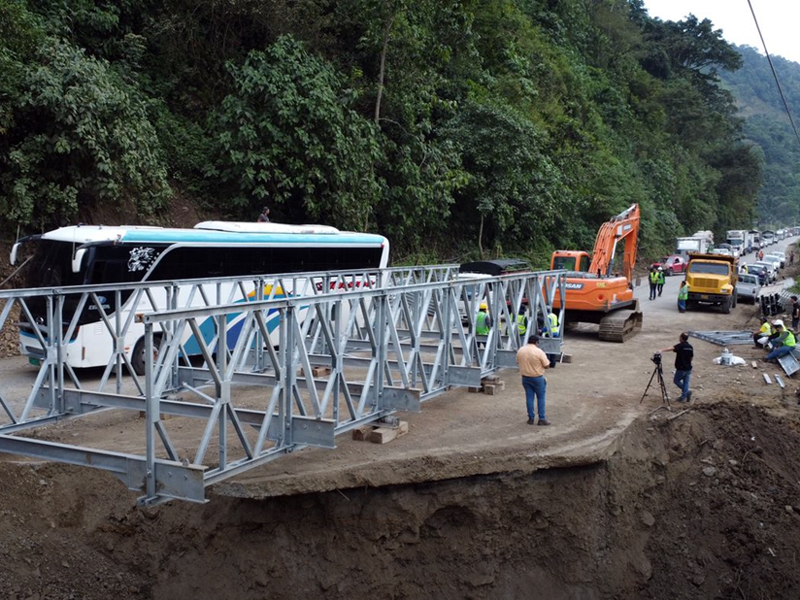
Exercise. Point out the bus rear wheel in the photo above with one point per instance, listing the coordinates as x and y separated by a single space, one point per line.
138 356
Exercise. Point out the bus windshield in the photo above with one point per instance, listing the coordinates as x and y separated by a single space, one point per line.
51 265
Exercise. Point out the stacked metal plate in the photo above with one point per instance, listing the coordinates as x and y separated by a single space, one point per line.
724 338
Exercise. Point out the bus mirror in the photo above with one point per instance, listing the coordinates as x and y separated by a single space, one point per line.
77 259
13 258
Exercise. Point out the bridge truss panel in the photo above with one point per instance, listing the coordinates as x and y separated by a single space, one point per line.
263 366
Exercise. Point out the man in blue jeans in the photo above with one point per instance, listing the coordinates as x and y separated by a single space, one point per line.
684 353
532 362
783 343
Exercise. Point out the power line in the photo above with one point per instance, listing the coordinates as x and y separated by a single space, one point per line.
774 72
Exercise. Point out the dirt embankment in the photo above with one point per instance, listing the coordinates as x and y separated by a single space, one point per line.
705 505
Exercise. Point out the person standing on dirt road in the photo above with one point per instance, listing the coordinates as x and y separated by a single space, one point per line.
652 277
532 362
683 296
684 353
795 313
662 279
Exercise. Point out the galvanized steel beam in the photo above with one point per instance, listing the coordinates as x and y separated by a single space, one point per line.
288 361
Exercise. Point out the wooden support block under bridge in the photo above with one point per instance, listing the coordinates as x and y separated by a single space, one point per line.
490 389
380 434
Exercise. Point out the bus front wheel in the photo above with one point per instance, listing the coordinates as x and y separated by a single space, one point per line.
138 356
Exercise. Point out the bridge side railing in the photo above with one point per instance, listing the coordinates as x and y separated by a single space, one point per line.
291 362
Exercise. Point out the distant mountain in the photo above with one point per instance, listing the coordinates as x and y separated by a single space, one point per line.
767 125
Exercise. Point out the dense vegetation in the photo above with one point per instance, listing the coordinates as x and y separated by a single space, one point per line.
452 126
767 126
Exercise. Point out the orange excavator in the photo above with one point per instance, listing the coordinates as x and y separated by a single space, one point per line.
596 293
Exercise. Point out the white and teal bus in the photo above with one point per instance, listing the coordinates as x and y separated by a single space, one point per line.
120 255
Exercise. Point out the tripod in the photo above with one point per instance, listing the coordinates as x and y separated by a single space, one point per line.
658 371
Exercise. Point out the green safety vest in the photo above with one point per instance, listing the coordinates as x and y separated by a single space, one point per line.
553 323
653 276
521 326
683 294
661 277
482 324
789 340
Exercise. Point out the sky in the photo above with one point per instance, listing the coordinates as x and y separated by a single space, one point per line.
779 21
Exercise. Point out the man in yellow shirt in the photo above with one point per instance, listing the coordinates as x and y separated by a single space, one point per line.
761 336
532 362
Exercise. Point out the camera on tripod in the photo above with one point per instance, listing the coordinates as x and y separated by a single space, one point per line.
658 375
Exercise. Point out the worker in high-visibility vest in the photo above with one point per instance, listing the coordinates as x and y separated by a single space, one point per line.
683 296
761 336
653 278
784 343
553 328
522 323
483 324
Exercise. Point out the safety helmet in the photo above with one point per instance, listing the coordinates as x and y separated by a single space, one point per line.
483 306
778 323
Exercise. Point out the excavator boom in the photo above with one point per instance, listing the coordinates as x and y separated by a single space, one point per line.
625 226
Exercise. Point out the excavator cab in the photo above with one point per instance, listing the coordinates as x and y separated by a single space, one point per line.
570 260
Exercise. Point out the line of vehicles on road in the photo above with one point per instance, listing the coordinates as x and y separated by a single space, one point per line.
712 273
739 242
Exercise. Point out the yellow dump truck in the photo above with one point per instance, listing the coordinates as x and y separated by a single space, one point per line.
712 281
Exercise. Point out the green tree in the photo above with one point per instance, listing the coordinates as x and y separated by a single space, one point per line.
287 136
514 191
81 136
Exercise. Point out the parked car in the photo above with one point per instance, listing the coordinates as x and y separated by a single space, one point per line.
771 258
734 251
748 288
761 271
780 256
674 263
772 269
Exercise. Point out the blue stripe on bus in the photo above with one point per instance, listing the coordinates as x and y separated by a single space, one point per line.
213 237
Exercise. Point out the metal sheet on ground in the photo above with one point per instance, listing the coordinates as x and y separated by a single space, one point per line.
789 364
724 338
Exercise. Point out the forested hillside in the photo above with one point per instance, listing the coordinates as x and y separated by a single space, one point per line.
454 127
768 126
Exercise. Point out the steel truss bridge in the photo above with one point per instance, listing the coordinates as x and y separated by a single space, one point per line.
389 339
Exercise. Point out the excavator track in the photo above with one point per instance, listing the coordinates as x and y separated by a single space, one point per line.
621 324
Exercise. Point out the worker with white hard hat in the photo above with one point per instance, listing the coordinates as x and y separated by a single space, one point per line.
783 341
